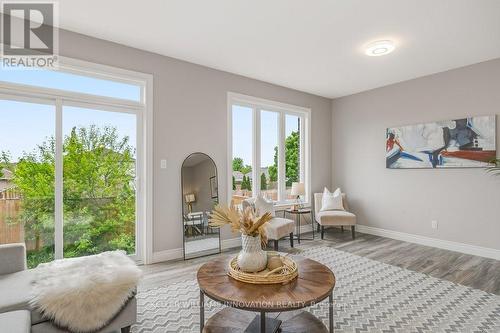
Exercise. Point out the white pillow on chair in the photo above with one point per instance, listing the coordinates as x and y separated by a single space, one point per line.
263 206
332 201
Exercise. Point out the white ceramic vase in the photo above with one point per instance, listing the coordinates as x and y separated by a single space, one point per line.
251 257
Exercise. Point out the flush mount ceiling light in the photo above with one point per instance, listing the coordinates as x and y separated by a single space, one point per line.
379 48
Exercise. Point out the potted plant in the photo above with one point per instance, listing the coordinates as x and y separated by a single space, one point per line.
251 257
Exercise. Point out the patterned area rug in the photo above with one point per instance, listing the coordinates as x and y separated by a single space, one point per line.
370 296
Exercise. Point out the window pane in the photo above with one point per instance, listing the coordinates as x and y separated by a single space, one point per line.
27 178
242 153
292 152
73 83
99 194
269 131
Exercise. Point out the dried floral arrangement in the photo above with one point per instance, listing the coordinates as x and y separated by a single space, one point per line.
245 222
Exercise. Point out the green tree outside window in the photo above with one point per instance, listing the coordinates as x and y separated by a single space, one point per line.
263 182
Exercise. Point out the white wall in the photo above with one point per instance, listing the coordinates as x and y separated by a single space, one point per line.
190 114
465 202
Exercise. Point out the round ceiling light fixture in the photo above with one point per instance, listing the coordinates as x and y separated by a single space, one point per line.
379 48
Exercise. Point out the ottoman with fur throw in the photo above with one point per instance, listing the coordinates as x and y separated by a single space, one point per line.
85 294
88 294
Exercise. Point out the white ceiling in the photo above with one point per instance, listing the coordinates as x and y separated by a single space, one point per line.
314 46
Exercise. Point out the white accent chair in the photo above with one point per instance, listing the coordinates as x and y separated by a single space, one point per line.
335 218
276 228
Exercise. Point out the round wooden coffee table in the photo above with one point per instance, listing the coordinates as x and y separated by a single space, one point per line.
314 283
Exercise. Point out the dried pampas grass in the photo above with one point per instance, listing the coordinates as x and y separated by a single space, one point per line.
245 222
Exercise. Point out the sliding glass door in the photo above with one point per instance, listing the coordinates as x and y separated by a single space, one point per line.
27 183
99 172
71 161
97 151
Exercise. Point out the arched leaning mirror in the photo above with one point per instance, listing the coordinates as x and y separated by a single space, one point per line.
199 196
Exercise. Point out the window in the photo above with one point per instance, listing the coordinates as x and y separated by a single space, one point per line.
268 171
65 80
242 163
268 149
72 153
293 153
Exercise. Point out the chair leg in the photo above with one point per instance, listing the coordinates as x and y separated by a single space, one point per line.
275 245
291 239
125 329
342 228
322 232
353 231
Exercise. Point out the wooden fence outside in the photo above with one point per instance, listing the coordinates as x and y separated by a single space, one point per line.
9 193
10 230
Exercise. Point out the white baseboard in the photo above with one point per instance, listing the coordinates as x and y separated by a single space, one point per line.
167 255
173 254
230 243
434 242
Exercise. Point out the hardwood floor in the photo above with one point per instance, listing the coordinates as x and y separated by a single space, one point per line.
476 272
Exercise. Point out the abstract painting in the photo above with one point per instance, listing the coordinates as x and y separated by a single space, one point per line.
458 143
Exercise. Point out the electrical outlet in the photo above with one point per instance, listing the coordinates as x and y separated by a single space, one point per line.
163 164
434 224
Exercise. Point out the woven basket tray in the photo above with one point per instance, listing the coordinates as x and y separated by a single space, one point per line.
287 273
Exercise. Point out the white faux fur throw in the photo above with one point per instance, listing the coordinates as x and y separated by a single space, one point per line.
85 294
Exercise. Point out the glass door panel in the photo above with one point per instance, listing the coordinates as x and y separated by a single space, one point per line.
99 189
27 169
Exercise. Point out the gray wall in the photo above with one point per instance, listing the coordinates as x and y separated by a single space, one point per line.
465 202
190 102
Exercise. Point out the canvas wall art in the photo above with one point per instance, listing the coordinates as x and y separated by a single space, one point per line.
458 143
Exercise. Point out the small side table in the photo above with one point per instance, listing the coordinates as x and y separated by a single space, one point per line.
298 213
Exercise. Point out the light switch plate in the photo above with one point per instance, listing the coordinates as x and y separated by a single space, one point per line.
163 164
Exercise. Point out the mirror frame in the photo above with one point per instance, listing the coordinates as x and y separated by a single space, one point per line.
182 209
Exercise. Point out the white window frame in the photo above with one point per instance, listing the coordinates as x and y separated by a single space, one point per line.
257 105
143 110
